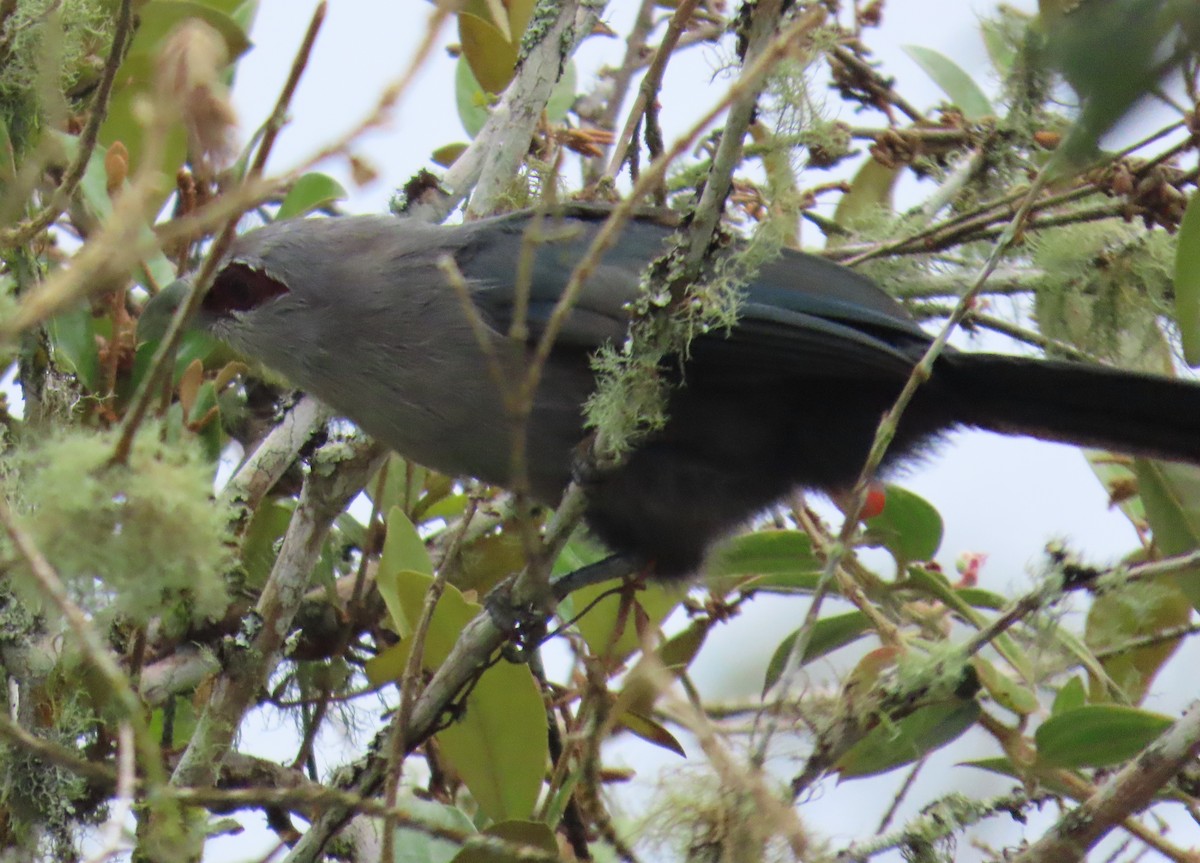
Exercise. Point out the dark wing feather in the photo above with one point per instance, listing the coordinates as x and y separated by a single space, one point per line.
801 316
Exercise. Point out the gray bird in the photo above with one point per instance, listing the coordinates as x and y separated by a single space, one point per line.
356 311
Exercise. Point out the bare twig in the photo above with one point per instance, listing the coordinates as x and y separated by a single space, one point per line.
278 116
1039 598
408 696
651 84
122 805
1053 347
53 753
619 80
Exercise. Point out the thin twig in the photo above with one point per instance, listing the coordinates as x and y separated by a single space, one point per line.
56 754
279 115
620 79
1040 597
651 84
122 805
853 511
408 696
163 358
1053 347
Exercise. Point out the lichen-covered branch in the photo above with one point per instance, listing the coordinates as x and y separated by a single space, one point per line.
339 472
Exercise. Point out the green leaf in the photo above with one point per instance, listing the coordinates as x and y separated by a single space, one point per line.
1187 282
955 83
1007 692
999 48
312 191
401 486
1070 695
493 59
678 651
652 732
451 506
909 527
446 155
609 626
870 193
977 597
1170 493
473 103
1046 779
828 634
782 559
94 185
414 845
244 13
73 336
387 665
139 73
260 546
1111 54
562 97
1130 612
640 688
183 723
93 189
521 834
937 585
500 745
403 548
8 163
893 744
158 18
194 345
433 488
1097 735
579 551
487 561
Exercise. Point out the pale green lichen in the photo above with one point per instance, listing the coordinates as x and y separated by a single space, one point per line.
43 801
50 51
1105 289
698 815
135 541
635 377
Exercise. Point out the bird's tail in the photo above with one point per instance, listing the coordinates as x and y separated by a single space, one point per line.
1087 405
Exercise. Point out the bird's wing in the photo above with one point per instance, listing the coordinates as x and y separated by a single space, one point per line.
801 315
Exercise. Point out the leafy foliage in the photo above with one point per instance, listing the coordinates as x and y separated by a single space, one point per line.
150 605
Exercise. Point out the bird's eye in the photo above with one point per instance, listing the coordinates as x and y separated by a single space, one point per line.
240 288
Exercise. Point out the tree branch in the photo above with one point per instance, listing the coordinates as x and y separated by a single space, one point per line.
337 475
